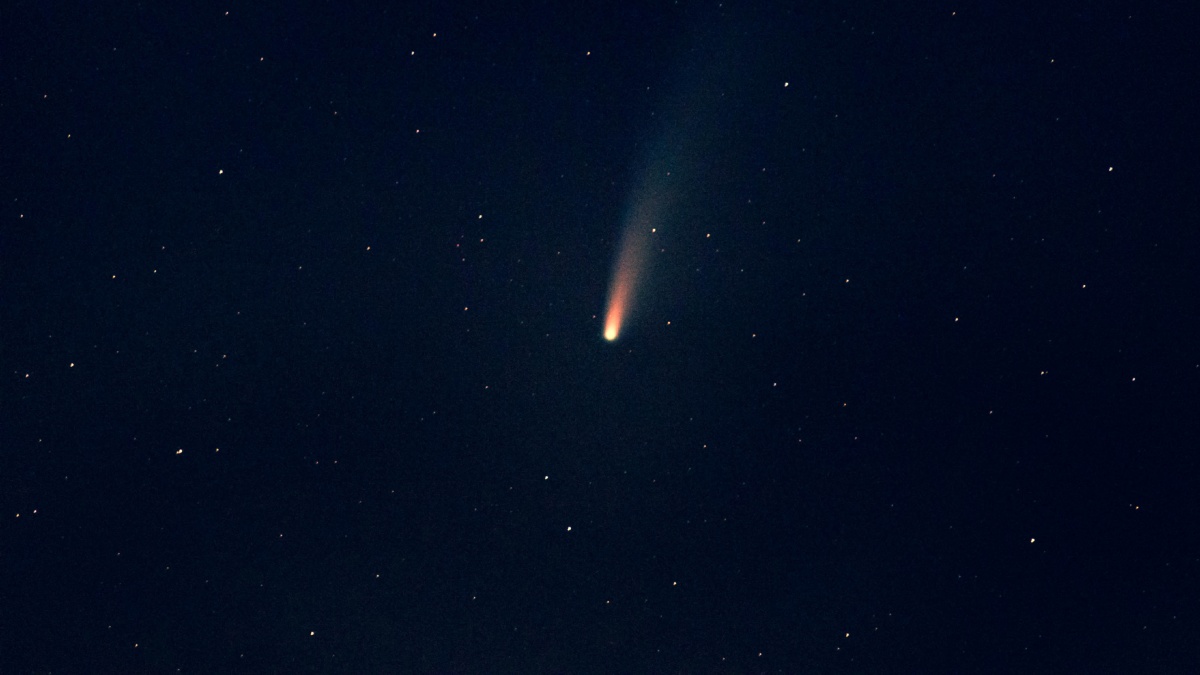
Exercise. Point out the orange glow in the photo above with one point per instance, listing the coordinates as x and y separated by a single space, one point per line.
616 312
626 274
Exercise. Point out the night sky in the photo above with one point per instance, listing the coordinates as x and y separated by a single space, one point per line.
304 366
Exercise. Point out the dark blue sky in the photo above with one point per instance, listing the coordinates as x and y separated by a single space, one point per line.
303 366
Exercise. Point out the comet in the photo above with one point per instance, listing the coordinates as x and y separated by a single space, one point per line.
628 271
679 158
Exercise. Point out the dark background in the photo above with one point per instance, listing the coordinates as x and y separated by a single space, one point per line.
303 369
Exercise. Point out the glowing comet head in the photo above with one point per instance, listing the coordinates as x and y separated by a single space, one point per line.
626 274
616 312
